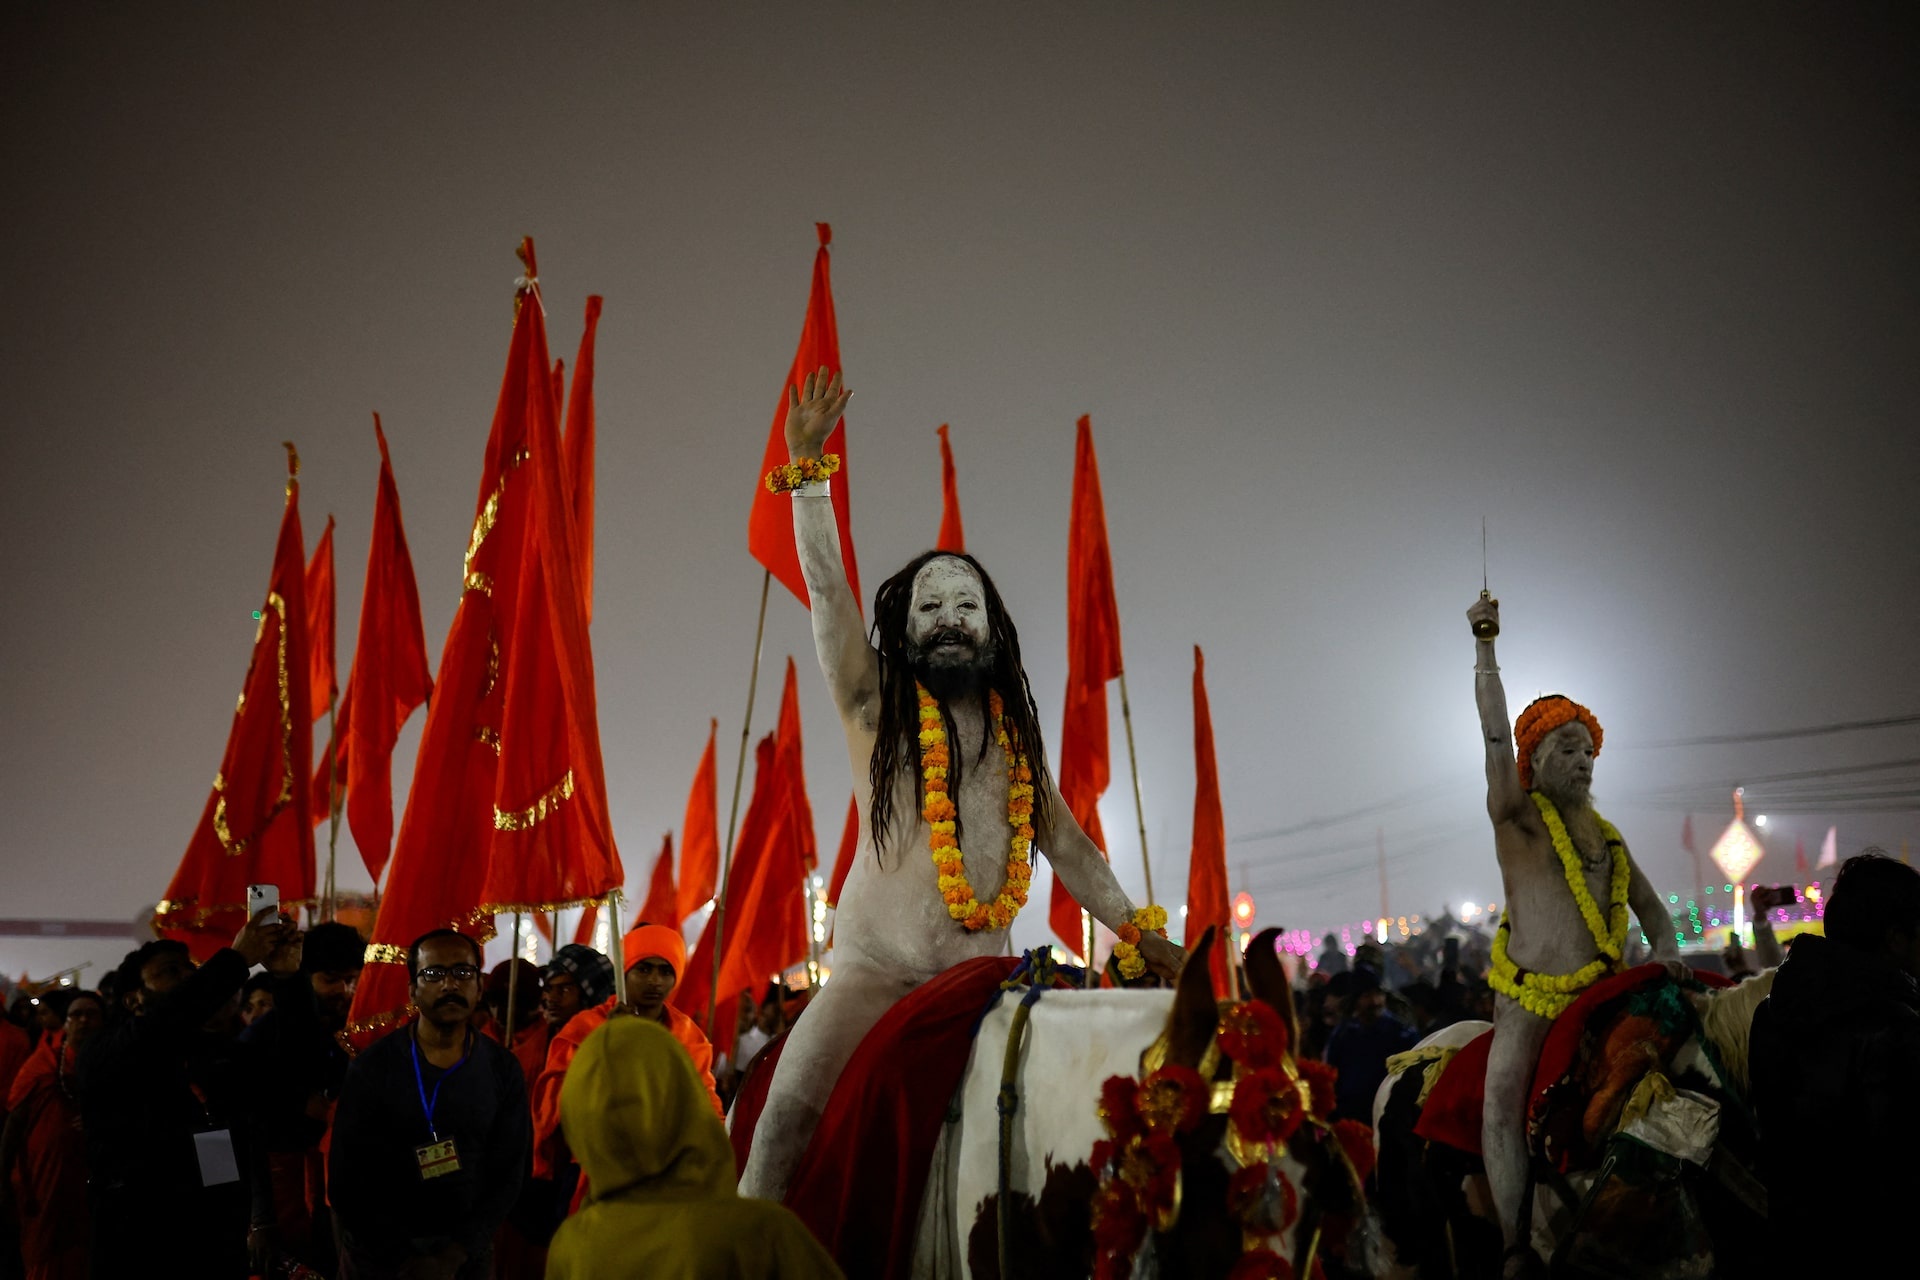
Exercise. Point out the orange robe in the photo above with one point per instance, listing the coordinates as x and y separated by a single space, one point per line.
52 1174
549 1144
529 1047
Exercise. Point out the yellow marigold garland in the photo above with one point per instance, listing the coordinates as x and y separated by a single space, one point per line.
939 811
1126 952
790 476
1549 995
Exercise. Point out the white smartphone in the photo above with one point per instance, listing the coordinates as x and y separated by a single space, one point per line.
262 897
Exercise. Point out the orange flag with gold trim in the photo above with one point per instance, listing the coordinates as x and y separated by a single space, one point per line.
508 800
255 827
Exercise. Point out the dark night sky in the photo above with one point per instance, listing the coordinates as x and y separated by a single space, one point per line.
1637 284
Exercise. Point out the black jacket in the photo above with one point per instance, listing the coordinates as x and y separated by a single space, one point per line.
385 1209
1835 1066
149 1083
290 1057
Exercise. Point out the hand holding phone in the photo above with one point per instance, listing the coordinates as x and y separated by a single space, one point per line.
262 897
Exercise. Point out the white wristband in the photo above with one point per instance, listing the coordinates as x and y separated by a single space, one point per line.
817 489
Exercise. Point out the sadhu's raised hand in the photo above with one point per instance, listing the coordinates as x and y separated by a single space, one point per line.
812 409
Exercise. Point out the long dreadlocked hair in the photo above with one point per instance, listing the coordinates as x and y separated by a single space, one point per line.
898 731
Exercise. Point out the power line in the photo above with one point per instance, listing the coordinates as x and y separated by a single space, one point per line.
1422 795
1776 735
1798 775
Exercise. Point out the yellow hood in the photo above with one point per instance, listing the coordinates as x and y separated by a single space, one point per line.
639 1121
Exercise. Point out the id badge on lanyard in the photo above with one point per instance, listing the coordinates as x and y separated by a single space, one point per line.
440 1156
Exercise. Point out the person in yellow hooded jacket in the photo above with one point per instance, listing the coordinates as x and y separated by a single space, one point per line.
663 1203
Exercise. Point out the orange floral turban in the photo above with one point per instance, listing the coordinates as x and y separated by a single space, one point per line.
1542 717
648 941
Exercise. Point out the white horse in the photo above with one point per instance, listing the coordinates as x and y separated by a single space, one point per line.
1013 1156
1072 1041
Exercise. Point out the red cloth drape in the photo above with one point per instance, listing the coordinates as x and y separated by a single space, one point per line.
952 536
858 1186
520 566
324 682
1454 1109
787 743
700 835
766 922
1207 869
583 931
389 678
1093 658
770 522
255 828
579 444
661 901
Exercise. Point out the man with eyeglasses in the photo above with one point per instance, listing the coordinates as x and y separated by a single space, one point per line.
431 1140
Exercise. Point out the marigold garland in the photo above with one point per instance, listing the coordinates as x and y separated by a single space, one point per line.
941 814
791 475
1549 995
1126 951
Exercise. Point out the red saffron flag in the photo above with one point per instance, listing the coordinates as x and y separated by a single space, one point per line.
1207 898
553 841
579 445
661 900
254 828
388 680
770 523
787 742
952 537
1093 658
766 912
324 682
492 820
849 845
700 836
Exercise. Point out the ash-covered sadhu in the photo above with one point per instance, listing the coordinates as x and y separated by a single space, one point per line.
953 789
1568 880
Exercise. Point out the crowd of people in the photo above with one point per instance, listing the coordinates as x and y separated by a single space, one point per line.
212 1119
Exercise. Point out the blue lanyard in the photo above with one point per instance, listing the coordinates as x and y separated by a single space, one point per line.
428 1104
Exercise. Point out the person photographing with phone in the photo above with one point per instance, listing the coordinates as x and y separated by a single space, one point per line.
162 1162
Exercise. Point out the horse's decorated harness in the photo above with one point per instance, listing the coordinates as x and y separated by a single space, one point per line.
1270 1098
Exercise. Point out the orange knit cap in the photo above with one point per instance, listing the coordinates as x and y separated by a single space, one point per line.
1542 716
648 941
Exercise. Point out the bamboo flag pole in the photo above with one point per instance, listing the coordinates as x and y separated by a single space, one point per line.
513 987
1133 765
733 814
330 901
614 945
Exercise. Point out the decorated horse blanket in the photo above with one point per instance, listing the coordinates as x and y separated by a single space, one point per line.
859 1185
1594 1056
